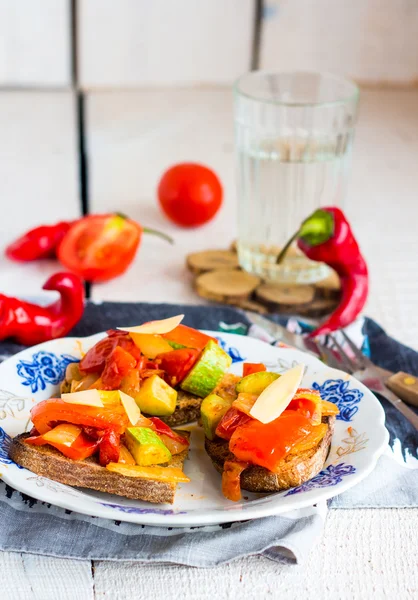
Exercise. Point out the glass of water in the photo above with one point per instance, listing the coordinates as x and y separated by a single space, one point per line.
294 133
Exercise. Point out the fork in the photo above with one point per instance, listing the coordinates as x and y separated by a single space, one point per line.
365 371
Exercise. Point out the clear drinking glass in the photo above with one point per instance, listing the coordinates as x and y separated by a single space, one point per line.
294 133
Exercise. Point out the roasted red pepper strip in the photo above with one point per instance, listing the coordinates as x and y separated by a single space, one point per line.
109 448
32 324
326 237
41 242
232 419
231 479
47 413
164 429
249 368
177 363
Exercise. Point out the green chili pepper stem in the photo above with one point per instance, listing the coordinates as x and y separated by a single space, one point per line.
316 229
160 234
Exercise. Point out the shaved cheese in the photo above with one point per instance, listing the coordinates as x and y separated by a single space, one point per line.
85 397
156 327
131 408
277 396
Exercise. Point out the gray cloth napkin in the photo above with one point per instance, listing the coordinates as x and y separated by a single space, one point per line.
32 526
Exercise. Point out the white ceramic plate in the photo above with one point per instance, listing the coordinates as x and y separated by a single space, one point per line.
359 439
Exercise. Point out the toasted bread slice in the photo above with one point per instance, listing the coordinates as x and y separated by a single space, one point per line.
50 463
294 470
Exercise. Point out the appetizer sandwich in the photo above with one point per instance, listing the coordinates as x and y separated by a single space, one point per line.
270 435
110 430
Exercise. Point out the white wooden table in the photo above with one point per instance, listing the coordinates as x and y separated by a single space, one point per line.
131 138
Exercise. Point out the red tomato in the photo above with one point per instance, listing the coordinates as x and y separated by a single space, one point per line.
249 368
178 363
163 429
100 247
95 359
118 364
190 194
232 419
267 444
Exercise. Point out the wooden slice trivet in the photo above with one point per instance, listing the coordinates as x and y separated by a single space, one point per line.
330 286
219 278
211 260
227 285
285 294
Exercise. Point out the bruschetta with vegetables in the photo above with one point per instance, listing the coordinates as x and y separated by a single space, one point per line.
165 366
271 435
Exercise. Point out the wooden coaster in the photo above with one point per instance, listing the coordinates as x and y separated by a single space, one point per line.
219 278
212 260
283 294
226 285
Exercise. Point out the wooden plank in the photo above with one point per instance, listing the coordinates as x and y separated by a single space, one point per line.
136 42
32 577
373 41
38 175
132 138
363 554
35 43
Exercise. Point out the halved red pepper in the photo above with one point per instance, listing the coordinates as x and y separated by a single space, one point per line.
249 368
188 337
177 363
232 419
47 413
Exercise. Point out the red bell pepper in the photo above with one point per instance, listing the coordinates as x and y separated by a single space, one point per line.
232 419
30 324
47 413
267 444
188 337
177 363
231 479
69 439
41 242
249 368
163 429
326 237
95 359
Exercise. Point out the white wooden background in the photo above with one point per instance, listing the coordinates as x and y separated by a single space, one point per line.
156 83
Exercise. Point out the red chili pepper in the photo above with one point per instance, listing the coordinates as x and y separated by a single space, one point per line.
37 243
31 324
326 237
